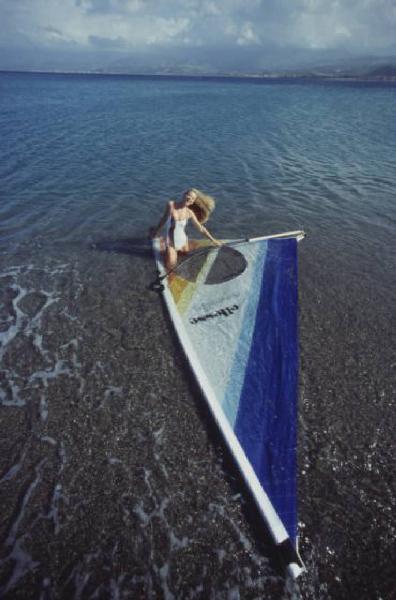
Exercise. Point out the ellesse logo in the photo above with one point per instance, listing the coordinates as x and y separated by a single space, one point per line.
222 312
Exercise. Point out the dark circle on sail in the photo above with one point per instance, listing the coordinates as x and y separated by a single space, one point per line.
228 264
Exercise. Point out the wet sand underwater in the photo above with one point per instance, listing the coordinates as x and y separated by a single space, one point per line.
113 480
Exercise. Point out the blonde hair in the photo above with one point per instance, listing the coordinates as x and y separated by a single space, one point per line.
203 205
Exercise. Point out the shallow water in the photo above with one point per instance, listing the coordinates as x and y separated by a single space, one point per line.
113 481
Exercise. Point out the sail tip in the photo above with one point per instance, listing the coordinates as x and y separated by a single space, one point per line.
295 570
291 558
298 235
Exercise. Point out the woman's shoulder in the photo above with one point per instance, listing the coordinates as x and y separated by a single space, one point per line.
192 213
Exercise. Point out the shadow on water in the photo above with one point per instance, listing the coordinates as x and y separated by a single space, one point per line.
132 246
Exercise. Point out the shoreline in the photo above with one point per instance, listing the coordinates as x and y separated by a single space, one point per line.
215 77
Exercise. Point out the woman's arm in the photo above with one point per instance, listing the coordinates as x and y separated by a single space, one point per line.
202 229
153 231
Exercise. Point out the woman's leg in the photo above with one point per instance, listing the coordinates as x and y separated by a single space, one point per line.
170 258
186 248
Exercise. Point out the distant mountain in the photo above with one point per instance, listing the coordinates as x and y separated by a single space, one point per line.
384 72
305 65
363 68
258 61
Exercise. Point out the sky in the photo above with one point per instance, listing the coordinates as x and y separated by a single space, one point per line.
211 35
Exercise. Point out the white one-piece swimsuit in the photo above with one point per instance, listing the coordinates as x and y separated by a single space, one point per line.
175 233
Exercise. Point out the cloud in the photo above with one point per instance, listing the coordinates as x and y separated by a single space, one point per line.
354 23
232 26
247 35
110 7
105 43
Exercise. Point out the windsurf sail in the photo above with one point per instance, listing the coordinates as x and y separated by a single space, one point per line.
234 309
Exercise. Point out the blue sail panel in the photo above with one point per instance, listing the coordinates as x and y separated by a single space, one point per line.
266 419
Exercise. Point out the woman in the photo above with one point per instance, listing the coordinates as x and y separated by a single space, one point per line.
194 205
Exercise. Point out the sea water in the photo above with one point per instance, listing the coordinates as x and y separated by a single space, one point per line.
112 478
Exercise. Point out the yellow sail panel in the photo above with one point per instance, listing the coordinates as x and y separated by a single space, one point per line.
177 286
